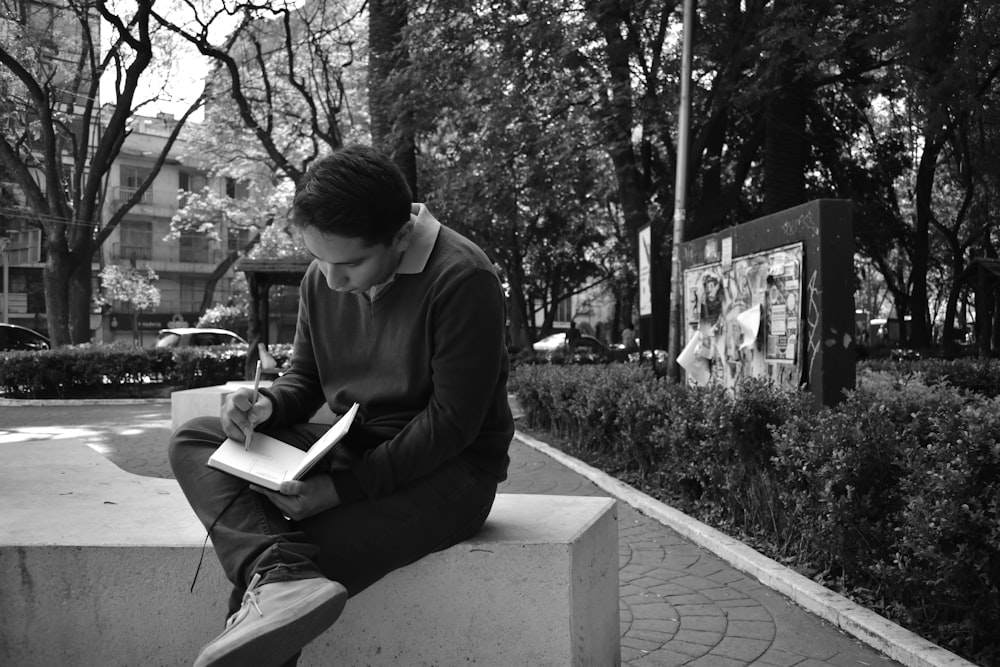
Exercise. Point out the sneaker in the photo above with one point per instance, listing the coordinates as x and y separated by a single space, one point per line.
274 622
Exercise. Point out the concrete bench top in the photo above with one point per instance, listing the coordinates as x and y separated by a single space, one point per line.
84 547
62 493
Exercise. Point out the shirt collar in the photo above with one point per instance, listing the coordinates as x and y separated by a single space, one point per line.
414 260
422 239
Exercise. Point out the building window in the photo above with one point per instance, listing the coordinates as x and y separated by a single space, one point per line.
194 248
237 189
191 290
132 176
25 246
564 310
190 182
237 239
136 239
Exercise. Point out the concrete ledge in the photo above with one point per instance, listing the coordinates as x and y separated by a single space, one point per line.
187 404
96 563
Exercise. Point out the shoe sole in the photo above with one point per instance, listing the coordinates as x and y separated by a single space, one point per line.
288 634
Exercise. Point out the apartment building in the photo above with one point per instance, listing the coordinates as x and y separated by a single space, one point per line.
183 265
43 35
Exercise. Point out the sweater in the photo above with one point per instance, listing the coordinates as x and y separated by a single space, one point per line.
425 358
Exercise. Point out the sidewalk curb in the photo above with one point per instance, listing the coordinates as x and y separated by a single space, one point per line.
873 629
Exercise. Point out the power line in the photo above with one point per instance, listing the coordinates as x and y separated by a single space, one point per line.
20 214
29 216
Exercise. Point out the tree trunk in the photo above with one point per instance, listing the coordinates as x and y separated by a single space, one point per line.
55 277
391 123
919 331
618 126
520 336
212 280
256 322
785 145
950 312
991 341
136 336
80 299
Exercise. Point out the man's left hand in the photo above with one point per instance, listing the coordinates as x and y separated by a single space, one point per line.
300 499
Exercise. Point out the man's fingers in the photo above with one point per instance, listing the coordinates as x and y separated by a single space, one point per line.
292 487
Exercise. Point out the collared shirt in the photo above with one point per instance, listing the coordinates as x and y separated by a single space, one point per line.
425 233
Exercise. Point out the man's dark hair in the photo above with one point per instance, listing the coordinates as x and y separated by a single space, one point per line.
355 192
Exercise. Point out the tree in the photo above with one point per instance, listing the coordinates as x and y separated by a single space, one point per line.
950 73
289 74
509 158
59 143
282 71
132 288
388 58
624 40
588 88
208 212
918 166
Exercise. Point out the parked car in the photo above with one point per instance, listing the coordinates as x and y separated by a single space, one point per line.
14 337
586 350
197 337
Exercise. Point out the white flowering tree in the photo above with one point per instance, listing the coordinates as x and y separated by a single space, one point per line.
133 289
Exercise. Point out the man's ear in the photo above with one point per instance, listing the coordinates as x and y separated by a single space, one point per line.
404 235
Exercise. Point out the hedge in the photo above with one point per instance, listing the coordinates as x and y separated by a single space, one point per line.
892 497
119 369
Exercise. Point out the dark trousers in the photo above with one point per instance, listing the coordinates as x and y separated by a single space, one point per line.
354 544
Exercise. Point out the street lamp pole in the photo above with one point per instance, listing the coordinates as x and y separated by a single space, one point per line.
680 194
6 278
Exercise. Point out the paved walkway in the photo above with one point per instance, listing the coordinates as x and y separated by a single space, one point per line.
680 603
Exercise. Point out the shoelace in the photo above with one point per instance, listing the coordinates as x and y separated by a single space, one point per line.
250 597
204 544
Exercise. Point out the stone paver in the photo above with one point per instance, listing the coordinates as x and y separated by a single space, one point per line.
679 603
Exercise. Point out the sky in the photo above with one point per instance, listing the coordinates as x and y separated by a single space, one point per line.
176 84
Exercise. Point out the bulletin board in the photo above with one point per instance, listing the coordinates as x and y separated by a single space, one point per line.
743 318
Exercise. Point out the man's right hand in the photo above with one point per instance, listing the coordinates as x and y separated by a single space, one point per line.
239 417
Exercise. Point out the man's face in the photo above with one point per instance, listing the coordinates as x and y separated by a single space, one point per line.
349 264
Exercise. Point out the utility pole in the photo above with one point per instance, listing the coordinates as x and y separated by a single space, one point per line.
680 195
4 240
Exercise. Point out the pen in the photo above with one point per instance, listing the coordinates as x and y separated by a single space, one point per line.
253 401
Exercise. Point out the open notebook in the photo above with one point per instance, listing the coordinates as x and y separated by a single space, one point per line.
269 461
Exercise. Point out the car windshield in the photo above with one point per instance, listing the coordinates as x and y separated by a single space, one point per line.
167 339
555 340
211 338
12 338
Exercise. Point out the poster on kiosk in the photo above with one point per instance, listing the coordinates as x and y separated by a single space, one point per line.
742 318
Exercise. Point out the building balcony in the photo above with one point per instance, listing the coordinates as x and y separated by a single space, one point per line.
167 258
154 201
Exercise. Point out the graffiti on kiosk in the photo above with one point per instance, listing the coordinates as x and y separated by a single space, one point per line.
743 319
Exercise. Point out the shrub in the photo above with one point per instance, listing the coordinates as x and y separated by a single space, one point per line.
969 375
206 366
893 495
114 370
945 569
839 476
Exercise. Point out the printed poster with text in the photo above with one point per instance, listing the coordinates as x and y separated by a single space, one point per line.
742 319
